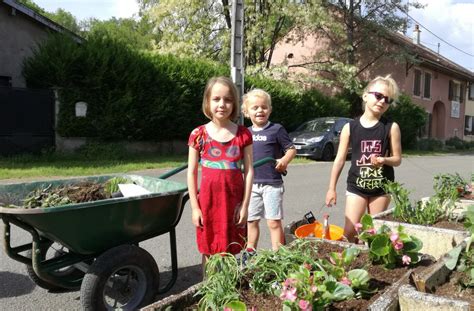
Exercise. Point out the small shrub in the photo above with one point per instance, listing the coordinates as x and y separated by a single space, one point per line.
429 144
457 143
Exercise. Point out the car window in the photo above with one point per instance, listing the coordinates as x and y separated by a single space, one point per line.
317 126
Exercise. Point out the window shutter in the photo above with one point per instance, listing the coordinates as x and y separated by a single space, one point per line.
461 97
450 95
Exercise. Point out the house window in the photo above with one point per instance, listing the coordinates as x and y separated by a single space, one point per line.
417 83
5 81
455 91
469 125
427 86
471 91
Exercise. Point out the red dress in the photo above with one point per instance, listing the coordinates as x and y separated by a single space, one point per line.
221 190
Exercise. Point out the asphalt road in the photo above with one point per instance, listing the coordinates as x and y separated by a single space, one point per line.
306 187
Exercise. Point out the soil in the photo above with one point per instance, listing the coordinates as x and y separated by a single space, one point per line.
381 279
452 288
440 224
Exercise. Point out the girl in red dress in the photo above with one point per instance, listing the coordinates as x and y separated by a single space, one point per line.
219 212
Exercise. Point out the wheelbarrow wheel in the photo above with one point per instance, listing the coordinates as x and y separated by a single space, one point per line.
125 277
48 251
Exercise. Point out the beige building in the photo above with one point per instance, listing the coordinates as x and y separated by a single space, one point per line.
434 82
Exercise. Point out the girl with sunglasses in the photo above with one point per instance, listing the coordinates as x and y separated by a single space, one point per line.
376 149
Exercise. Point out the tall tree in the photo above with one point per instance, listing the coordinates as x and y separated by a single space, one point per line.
61 16
202 28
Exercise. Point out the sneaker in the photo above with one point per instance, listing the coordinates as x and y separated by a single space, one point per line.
246 255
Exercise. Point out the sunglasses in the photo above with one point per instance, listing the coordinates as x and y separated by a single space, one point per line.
379 96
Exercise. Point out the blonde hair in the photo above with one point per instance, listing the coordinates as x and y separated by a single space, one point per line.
206 107
256 93
389 82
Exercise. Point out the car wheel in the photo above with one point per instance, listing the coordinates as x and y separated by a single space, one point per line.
328 153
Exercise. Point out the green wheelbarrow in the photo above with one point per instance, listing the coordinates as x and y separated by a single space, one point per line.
94 246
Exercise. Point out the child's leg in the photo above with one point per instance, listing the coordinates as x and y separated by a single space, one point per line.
276 233
253 233
355 209
378 204
273 202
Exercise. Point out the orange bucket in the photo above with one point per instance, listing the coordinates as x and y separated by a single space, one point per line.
315 229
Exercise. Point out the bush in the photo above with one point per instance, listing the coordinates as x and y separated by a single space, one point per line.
457 143
429 144
133 95
410 117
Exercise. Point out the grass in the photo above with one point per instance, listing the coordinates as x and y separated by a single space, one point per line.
107 161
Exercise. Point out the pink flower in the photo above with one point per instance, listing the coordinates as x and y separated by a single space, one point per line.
314 288
227 309
394 237
371 231
346 281
406 260
398 245
289 282
288 294
358 226
307 266
304 305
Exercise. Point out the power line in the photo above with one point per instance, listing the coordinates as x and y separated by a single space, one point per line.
401 9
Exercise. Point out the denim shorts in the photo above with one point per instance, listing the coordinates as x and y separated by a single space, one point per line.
266 202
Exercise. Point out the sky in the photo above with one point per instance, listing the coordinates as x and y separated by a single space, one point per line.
448 22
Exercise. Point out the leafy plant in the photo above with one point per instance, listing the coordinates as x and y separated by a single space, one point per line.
387 247
220 287
294 273
464 260
426 212
111 185
451 186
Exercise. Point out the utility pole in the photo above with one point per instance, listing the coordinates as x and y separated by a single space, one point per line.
237 48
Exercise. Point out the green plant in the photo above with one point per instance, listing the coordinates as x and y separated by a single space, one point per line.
422 212
220 287
451 186
457 143
111 185
387 247
464 260
316 286
429 144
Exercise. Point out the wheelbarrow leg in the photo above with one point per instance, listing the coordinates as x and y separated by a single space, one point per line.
174 263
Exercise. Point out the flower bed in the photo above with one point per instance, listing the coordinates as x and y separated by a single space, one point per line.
309 273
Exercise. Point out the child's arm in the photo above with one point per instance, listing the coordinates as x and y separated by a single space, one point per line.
395 158
248 180
282 164
331 196
193 162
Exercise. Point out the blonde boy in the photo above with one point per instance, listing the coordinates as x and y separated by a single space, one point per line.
269 140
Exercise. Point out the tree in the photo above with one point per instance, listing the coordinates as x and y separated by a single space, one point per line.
198 28
61 16
134 33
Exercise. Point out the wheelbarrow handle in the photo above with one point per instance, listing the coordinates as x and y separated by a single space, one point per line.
185 166
174 171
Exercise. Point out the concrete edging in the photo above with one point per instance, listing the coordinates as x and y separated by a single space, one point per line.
436 241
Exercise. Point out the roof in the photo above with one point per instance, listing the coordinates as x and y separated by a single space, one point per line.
41 19
432 59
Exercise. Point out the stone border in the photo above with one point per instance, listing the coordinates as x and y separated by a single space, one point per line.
436 241
426 281
412 300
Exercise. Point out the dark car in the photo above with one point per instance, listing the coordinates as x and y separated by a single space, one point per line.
318 138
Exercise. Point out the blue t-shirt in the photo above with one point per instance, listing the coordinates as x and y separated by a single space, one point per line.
271 141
